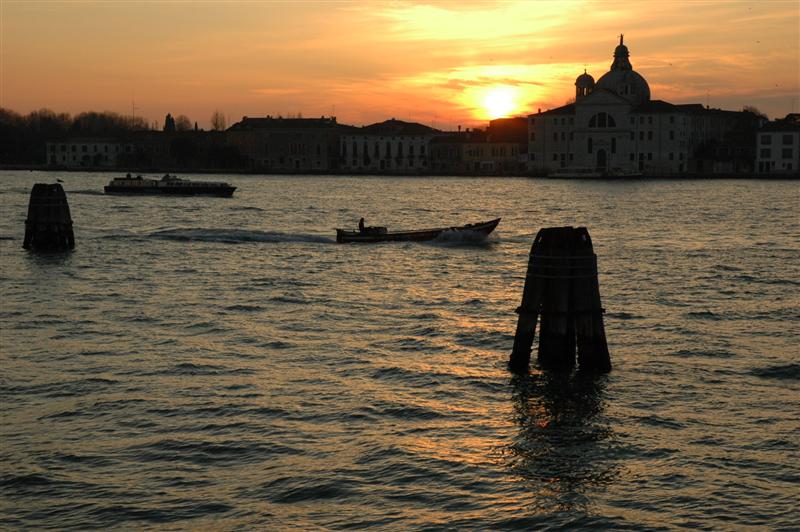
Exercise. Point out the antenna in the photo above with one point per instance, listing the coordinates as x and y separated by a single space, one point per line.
133 113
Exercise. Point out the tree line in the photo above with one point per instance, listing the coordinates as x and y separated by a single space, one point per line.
23 138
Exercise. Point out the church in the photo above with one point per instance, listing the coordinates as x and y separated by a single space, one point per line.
614 128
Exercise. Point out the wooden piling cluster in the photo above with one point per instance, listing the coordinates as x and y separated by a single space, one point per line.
49 225
561 287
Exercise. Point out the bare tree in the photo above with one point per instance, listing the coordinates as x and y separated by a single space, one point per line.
182 123
218 122
753 109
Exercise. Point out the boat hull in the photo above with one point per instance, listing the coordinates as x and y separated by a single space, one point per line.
482 230
221 191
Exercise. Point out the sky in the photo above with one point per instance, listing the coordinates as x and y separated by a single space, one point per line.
442 63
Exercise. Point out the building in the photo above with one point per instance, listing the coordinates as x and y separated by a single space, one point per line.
389 147
292 145
87 152
500 149
614 127
778 147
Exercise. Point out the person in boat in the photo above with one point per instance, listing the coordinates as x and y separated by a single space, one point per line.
361 225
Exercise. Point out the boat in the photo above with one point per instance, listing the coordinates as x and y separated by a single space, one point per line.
382 234
169 185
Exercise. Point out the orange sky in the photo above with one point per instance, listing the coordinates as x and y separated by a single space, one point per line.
432 62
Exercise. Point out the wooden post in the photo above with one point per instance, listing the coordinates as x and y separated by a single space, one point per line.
49 225
528 314
561 286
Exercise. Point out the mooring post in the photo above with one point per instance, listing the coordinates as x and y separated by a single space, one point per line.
592 347
49 225
528 314
561 286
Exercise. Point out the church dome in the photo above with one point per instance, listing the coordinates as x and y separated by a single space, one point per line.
623 80
584 80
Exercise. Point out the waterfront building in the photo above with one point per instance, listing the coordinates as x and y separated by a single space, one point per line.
87 152
293 145
500 149
614 127
392 146
778 147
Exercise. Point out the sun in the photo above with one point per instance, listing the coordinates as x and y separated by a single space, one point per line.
499 101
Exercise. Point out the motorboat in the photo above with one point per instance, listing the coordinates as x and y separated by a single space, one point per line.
478 230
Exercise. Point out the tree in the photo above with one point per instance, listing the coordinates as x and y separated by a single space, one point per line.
753 109
182 123
218 122
169 123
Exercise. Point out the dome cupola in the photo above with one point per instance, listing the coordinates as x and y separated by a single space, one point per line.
584 84
623 80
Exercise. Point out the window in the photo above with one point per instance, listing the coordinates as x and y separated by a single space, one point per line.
649 156
602 120
613 145
633 120
563 136
589 144
649 135
533 121
671 119
671 135
571 121
632 157
766 140
641 120
555 136
555 156
765 153
787 140
533 136
571 137
533 156
786 153
671 156
632 135
641 135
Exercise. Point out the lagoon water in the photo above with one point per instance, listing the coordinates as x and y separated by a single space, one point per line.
222 363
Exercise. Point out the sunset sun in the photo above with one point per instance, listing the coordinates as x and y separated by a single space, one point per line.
499 102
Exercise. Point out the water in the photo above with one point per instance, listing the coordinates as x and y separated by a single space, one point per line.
223 363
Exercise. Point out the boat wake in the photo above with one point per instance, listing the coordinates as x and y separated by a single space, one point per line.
236 236
87 192
463 238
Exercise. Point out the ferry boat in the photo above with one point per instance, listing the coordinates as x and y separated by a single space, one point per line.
169 185
382 234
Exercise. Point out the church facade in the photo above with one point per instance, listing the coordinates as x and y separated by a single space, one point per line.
615 128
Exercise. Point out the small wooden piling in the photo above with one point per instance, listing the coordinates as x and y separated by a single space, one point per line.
561 288
49 225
